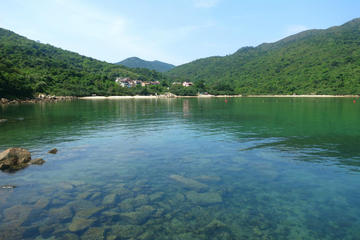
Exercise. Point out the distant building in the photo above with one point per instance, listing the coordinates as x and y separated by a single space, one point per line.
127 82
144 84
155 83
187 84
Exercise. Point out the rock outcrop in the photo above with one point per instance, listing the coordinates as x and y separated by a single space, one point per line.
14 159
53 151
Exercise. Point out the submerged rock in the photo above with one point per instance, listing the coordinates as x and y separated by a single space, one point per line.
60 214
53 151
109 199
7 186
79 224
156 196
124 232
84 195
88 212
69 236
139 216
206 178
41 203
204 198
14 159
37 161
93 233
189 183
16 214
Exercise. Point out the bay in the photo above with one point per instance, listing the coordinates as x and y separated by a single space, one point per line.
186 168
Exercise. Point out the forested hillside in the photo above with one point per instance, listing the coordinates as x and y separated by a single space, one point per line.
135 62
311 62
28 67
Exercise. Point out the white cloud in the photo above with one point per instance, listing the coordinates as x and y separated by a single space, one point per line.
205 3
94 32
293 29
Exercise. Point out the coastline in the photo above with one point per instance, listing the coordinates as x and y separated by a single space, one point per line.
54 99
217 96
42 99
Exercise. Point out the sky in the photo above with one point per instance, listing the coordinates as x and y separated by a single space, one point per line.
173 31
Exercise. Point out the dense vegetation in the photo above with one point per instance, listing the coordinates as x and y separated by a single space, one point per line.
311 62
135 62
28 67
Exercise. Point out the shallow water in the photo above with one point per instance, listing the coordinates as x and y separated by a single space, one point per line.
251 168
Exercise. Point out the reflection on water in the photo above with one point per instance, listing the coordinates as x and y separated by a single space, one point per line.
251 168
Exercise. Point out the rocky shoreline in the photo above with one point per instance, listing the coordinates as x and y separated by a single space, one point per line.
39 99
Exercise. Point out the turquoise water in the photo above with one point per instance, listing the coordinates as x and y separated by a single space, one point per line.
251 168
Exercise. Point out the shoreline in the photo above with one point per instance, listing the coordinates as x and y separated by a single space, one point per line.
54 99
45 99
217 96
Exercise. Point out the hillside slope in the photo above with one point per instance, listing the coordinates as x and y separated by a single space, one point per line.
28 67
310 62
135 62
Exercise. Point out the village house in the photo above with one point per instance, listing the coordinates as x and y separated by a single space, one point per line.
128 82
187 84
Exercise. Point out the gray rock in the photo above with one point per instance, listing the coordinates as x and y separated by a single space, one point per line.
14 159
3 120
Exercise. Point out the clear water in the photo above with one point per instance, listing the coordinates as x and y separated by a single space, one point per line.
251 168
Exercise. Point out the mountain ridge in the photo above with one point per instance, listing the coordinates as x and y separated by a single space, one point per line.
318 61
28 67
135 62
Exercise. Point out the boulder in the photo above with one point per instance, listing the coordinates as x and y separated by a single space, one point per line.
4 100
53 151
14 159
3 120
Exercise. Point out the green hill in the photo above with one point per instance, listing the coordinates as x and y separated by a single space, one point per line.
28 67
310 62
135 62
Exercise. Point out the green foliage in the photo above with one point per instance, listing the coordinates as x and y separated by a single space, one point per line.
135 62
311 62
28 67
179 90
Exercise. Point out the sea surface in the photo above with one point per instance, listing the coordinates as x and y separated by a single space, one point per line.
191 168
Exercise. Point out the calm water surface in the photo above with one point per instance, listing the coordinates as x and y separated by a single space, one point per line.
251 168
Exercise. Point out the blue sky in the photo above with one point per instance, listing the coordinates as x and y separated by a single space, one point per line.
174 31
